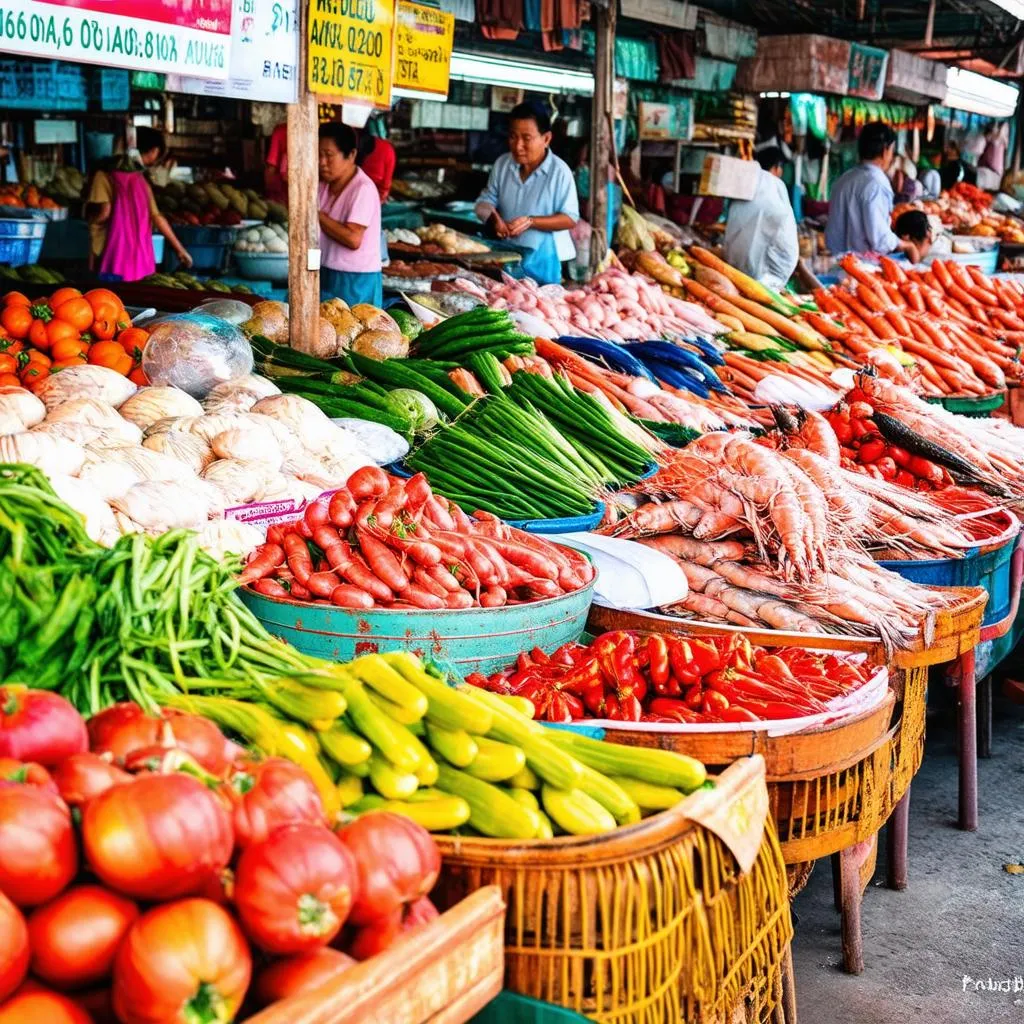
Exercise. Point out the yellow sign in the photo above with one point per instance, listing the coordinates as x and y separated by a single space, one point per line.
350 50
423 48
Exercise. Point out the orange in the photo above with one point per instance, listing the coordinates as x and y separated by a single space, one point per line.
76 311
106 353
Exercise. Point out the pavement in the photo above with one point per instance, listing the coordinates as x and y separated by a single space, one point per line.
950 948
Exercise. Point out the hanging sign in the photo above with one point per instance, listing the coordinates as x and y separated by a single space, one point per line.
423 48
351 50
669 121
264 55
191 37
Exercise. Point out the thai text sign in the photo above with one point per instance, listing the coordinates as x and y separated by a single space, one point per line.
423 47
351 44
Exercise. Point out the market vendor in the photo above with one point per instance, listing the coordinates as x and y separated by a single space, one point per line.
913 226
349 222
760 233
861 207
531 196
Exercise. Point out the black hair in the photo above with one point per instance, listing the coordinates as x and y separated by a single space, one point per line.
149 138
367 144
531 112
912 224
770 157
342 135
875 138
951 172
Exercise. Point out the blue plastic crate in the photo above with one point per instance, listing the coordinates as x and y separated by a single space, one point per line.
936 572
21 241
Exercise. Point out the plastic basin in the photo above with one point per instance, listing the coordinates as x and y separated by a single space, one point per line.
21 239
262 266
474 640
511 1008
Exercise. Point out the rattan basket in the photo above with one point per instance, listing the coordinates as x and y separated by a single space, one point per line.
651 924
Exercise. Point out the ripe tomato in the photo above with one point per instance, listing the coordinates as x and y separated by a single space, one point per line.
10 380
138 376
304 972
17 320
14 949
158 837
36 725
133 341
398 863
37 335
183 961
373 938
104 327
103 295
8 363
38 856
27 772
15 299
106 353
82 776
76 312
294 889
266 794
61 295
74 938
32 1003
64 350
60 331
422 911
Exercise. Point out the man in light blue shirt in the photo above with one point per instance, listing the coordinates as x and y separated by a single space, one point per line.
860 212
531 196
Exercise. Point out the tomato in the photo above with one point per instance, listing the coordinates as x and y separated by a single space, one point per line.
65 350
398 862
182 962
74 938
138 376
36 725
304 972
82 776
422 911
887 467
871 451
28 772
62 295
76 312
102 295
202 739
98 1003
14 949
104 327
8 363
60 331
37 335
106 353
38 855
133 341
15 299
9 380
33 1004
17 320
266 794
373 938
158 837
122 728
294 889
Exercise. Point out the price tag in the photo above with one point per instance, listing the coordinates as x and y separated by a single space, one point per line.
423 48
351 50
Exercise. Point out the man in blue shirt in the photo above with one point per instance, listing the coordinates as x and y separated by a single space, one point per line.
860 212
531 196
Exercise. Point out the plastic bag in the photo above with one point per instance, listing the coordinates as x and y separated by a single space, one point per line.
196 352
233 310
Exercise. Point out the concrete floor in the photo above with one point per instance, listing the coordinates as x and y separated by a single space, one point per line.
962 914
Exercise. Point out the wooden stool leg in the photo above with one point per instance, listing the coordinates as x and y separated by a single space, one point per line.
968 730
788 989
896 844
850 861
984 692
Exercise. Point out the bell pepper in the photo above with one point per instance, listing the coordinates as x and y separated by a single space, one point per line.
658 664
674 710
738 653
714 702
694 697
538 656
735 713
680 656
705 655
626 708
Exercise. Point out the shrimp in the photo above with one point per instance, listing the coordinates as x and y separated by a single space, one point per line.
654 518
707 608
702 552
848 507
697 576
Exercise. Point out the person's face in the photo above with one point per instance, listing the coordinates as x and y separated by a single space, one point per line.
777 170
150 157
924 247
527 143
332 162
888 155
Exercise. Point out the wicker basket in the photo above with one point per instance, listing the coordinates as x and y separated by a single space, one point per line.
651 924
442 974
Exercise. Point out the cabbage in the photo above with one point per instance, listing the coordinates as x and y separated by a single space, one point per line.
415 407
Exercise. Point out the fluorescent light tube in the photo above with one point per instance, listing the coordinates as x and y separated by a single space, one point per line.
966 90
471 67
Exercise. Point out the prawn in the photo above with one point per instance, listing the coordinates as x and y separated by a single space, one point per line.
654 518
702 552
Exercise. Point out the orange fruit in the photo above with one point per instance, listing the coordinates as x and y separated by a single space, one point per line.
106 353
76 311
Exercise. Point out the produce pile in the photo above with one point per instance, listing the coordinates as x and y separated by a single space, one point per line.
386 542
28 197
663 677
210 882
271 238
435 239
67 329
215 204
967 210
182 280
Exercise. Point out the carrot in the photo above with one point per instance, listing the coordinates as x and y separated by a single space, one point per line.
791 329
421 551
270 588
717 304
382 561
345 595
297 555
341 508
420 597
911 291
349 566
871 298
747 286
881 327
827 302
267 558
322 584
368 482
892 271
493 597
823 325
898 320
729 321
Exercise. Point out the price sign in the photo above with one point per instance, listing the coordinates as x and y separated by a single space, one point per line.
351 49
177 36
423 48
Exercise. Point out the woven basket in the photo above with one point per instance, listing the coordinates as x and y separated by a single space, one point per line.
651 924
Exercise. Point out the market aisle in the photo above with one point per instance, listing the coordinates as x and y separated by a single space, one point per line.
960 916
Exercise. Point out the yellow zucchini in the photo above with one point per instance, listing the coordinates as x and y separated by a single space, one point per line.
426 793
525 778
390 783
445 706
647 795
344 746
456 746
492 811
545 831
398 712
391 738
575 812
611 796
439 815
495 761
499 706
350 790
662 767
379 676
524 797
318 708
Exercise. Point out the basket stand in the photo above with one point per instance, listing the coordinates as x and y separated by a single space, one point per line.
961 674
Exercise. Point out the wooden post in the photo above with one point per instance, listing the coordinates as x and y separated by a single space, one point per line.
303 219
929 25
601 130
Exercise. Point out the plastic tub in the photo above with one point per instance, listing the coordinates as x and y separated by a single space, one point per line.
993 571
512 1008
474 640
263 266
21 239
569 524
970 405
936 572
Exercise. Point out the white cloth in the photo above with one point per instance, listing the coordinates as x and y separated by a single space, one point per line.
760 233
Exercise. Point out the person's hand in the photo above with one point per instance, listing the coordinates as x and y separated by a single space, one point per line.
186 259
498 226
912 251
519 225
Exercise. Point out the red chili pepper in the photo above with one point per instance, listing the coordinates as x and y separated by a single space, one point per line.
714 702
658 666
680 656
772 665
694 697
705 655
672 688
628 680
673 710
733 713
524 662
870 451
477 679
538 656
738 653
772 710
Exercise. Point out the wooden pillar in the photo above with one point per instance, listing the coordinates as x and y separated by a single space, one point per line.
929 25
303 221
601 129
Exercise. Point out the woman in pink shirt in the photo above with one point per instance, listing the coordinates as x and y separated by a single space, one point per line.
349 222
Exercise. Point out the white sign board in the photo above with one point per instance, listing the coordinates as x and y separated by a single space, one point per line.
264 55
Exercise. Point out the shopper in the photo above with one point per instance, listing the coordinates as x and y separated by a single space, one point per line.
914 227
377 159
122 212
275 169
349 222
861 207
760 233
531 197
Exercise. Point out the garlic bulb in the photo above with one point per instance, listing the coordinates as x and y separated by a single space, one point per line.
96 413
91 505
308 423
23 405
109 479
99 382
286 439
187 448
223 538
50 454
161 505
240 482
261 387
148 405
248 444
80 433
10 423
148 464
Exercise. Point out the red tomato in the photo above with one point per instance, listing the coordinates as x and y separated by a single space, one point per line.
180 962
202 739
157 838
887 467
266 794
33 1004
38 855
36 725
14 950
398 863
83 776
304 972
28 772
373 938
422 911
294 889
871 451
98 1003
74 937
120 729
